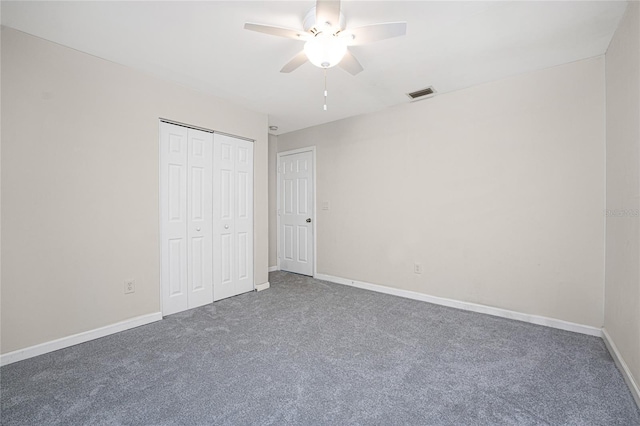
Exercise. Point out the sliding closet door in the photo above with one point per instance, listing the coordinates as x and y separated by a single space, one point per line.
199 213
173 217
232 216
185 213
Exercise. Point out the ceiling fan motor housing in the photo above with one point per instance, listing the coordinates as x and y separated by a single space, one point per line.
311 24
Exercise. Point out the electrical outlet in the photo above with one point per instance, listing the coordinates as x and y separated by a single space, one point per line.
417 268
129 286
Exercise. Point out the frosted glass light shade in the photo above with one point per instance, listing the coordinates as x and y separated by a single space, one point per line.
325 50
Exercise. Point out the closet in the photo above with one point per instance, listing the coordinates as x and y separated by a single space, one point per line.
206 216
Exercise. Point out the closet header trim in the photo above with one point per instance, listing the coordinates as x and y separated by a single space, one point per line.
189 126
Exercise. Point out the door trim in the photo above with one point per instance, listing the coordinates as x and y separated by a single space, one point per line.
281 154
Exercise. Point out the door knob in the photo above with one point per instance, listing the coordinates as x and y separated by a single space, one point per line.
226 227
308 220
197 229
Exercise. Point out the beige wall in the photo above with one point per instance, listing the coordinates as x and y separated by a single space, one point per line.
273 200
497 190
80 187
622 296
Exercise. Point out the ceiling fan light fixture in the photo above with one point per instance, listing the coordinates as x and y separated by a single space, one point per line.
325 50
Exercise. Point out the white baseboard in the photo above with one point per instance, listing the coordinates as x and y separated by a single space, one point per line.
467 306
75 339
263 286
622 366
273 268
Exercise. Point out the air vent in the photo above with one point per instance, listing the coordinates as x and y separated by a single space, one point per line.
419 94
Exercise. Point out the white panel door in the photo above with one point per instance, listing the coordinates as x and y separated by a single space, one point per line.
186 168
199 213
173 217
232 216
295 209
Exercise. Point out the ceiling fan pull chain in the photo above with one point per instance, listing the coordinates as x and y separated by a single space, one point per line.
325 89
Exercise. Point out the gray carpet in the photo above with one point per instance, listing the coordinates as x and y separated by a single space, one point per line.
310 352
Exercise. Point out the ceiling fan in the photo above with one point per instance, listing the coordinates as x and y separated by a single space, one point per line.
327 39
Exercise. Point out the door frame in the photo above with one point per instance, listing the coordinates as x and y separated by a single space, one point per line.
281 154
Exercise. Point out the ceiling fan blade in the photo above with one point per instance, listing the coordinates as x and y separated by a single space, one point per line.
328 11
294 63
350 64
376 32
276 31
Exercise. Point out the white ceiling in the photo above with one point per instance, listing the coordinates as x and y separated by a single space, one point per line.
449 44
